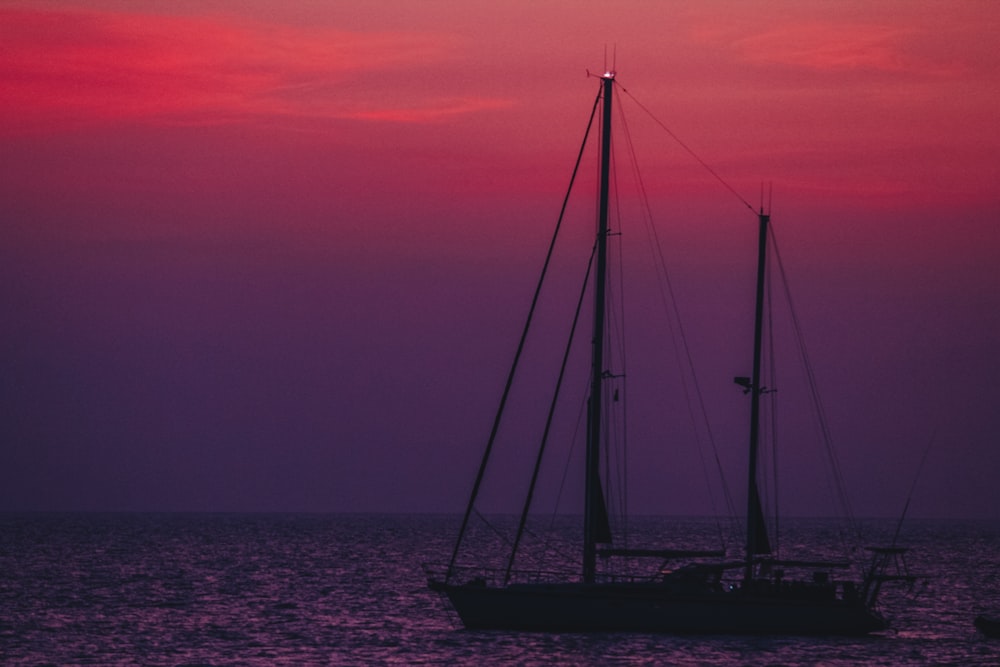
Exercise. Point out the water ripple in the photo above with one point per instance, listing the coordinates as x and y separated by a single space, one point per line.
293 590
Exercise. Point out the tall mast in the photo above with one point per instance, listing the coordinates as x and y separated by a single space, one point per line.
593 508
757 542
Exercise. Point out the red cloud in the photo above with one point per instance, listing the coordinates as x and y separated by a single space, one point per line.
820 46
834 46
827 47
68 68
428 114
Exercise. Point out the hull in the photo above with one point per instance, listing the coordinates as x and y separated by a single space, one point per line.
655 609
988 626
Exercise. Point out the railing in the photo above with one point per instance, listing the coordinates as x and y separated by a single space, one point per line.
822 583
496 577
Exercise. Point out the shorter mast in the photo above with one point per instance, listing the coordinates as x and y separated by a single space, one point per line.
757 542
594 511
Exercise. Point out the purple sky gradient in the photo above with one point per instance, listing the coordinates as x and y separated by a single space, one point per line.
267 258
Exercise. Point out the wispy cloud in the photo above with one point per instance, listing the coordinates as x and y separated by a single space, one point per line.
442 111
829 47
75 67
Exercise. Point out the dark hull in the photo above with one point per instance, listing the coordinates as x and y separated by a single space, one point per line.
653 608
988 626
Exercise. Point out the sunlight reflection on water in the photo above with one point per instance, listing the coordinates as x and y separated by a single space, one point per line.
264 590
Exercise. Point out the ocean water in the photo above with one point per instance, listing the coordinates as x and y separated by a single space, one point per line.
197 589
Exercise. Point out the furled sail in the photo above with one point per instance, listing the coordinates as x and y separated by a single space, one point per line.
759 544
601 530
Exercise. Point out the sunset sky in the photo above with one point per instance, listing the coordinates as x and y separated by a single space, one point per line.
274 256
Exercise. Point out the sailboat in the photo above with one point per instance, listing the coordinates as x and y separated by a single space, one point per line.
701 591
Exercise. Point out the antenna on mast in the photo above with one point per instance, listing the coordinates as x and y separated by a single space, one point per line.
609 73
770 189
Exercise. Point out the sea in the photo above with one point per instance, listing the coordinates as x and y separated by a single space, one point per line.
311 589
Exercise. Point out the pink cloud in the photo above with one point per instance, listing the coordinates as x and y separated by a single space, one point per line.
446 109
71 68
832 46
827 47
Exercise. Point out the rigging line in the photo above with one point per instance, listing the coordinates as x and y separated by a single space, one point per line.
835 481
773 403
623 472
496 531
623 381
913 486
823 424
569 456
813 385
549 418
520 346
550 549
673 314
617 334
689 151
